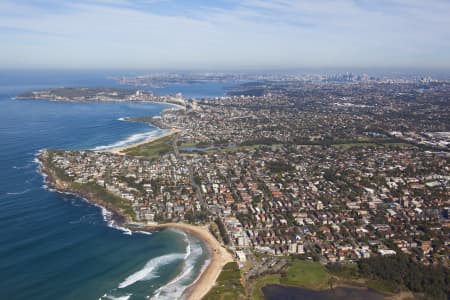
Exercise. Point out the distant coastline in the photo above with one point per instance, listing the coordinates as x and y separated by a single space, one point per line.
89 94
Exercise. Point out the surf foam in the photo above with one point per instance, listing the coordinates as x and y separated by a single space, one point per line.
143 232
132 139
19 193
27 166
107 218
109 297
176 287
148 271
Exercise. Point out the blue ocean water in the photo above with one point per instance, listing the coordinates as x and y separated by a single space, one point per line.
57 246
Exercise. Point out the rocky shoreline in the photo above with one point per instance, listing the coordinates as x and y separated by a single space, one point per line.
63 186
153 121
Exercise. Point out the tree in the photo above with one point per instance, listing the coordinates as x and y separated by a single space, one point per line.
223 231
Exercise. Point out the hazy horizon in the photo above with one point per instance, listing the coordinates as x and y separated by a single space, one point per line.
225 35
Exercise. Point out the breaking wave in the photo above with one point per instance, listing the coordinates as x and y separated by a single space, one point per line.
19 193
176 288
27 166
109 297
132 139
107 217
148 271
143 232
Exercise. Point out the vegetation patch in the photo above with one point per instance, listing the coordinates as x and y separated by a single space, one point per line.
383 286
228 285
100 195
152 149
347 271
223 231
388 272
307 274
260 282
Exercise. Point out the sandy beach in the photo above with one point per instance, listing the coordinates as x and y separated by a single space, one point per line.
120 150
218 258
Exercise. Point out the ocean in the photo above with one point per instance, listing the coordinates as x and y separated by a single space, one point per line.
57 246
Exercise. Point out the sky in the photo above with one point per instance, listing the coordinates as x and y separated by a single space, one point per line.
224 34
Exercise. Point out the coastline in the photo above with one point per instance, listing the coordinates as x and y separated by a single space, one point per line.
171 131
59 185
218 255
173 105
119 150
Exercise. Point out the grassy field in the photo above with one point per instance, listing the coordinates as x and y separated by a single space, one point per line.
152 149
228 285
259 283
307 274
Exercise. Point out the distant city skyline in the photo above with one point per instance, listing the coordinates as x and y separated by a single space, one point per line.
234 35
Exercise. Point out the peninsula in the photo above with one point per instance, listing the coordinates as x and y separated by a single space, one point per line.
100 94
